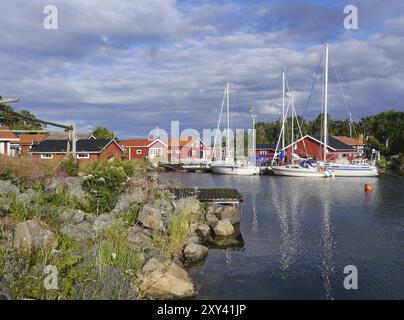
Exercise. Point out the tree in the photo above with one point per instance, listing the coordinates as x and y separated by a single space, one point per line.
103 133
9 117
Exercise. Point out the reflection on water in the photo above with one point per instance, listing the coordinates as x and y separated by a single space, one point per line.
297 235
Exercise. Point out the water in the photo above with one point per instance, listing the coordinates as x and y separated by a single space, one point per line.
299 234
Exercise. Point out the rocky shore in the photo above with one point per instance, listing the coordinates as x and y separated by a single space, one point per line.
140 249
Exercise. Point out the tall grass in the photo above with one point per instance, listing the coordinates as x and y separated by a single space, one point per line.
27 170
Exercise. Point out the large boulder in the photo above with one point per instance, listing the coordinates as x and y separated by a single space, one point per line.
79 232
73 184
164 279
5 206
105 221
212 220
154 215
127 199
71 216
203 230
30 235
5 292
187 205
230 213
224 228
194 253
139 239
8 188
26 196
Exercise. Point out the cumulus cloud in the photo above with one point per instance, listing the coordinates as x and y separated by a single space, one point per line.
133 65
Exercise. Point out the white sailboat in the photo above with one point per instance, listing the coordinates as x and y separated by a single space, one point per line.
339 170
230 166
304 169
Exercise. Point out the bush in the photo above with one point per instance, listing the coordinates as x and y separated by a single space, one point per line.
104 182
70 166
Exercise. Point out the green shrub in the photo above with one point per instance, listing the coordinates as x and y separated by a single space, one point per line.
104 182
70 166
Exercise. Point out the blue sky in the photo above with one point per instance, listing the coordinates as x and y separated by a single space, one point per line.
131 65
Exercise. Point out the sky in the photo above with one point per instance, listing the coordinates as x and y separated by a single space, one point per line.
132 65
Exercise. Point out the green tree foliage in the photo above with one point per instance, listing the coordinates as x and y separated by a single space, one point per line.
103 133
14 122
385 131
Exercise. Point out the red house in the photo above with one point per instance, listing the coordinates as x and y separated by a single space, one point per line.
144 148
7 137
188 150
86 150
26 141
312 147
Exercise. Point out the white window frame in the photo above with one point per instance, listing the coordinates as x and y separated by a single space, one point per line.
45 154
79 155
139 151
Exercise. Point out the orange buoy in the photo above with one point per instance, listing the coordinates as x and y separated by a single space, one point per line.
368 188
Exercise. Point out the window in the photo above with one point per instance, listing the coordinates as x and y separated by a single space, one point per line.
177 151
139 151
156 151
46 156
83 156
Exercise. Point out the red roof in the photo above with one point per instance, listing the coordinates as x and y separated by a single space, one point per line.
135 143
349 141
7 134
30 138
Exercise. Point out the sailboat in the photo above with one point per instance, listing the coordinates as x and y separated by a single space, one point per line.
339 170
304 168
230 166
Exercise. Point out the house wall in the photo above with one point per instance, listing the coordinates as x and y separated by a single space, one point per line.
308 148
145 151
4 147
195 151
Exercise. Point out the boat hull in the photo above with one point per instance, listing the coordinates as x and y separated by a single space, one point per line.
234 170
301 172
353 171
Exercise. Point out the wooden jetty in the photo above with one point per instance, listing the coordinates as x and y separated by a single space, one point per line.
210 195
185 167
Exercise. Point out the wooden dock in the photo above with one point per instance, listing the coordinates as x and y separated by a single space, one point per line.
185 167
211 195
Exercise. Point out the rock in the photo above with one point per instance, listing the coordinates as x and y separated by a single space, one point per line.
230 213
193 239
8 188
154 215
212 220
26 196
79 232
5 206
187 205
30 235
224 228
194 253
126 200
210 209
163 279
73 184
5 292
72 216
105 221
203 230
218 210
139 239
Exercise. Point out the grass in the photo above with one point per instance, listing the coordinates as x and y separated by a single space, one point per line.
177 234
27 171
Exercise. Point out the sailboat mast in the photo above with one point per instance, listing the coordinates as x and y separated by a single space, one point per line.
293 119
228 122
325 115
283 109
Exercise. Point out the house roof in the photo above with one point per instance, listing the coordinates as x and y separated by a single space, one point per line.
335 143
349 141
266 147
60 146
7 134
31 138
139 143
179 142
63 136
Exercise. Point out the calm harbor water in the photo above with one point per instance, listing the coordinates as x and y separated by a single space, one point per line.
299 234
